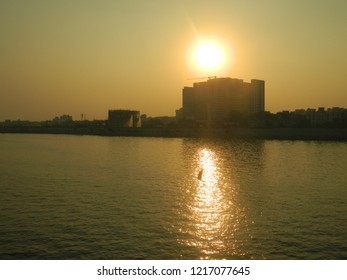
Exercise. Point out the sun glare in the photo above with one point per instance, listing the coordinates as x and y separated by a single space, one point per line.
209 56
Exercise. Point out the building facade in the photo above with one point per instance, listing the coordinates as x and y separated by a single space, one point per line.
216 99
124 118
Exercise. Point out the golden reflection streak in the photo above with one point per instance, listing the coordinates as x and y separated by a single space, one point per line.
209 207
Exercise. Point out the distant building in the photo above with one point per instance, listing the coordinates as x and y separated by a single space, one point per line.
215 99
332 117
62 119
161 121
336 114
124 118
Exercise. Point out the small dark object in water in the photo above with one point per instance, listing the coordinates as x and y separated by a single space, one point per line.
200 174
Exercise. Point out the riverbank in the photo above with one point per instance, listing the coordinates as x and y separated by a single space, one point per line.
332 134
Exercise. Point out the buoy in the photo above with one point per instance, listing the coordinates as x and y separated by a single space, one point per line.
200 174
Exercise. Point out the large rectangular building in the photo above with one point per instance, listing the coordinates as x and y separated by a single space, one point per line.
217 98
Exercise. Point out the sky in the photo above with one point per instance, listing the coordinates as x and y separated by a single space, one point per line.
85 57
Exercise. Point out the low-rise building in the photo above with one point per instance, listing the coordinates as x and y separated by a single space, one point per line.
124 118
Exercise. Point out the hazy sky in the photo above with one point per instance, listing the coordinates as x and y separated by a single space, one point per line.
81 56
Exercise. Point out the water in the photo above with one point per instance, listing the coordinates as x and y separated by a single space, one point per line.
89 197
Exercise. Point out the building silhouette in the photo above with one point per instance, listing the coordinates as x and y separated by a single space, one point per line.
124 118
217 98
332 117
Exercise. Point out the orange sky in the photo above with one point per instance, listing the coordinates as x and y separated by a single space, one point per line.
74 57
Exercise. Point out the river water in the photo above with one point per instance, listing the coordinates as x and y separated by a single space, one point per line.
90 197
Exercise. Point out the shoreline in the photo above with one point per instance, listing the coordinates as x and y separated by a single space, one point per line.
319 134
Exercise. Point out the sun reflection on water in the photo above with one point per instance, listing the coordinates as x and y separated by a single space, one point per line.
208 206
209 209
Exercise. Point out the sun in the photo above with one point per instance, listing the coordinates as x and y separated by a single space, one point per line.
209 56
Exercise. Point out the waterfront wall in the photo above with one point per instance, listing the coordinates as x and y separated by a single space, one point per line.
335 134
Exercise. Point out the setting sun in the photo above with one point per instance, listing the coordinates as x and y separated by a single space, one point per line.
209 56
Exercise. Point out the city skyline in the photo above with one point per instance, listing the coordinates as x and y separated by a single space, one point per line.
84 58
